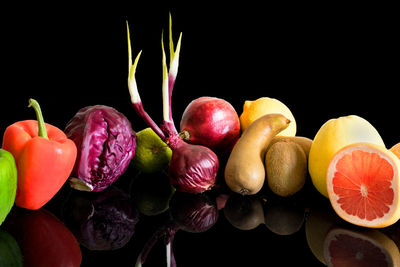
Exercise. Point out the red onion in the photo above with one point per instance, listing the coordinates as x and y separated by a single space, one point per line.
193 168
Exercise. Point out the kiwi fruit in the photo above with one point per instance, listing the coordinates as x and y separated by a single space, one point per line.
286 168
245 170
302 141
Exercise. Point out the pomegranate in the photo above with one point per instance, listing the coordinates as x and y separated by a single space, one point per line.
211 122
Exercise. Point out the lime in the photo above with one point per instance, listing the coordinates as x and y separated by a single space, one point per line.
8 183
152 154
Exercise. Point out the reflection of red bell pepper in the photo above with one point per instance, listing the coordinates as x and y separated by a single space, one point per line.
44 157
44 240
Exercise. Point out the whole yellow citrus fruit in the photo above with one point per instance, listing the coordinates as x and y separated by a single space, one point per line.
333 136
252 110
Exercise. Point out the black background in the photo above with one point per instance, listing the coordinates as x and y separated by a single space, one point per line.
321 64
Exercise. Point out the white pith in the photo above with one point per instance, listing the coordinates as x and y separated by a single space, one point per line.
334 198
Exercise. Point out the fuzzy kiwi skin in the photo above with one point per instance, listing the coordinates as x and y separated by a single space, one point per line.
302 141
286 167
245 171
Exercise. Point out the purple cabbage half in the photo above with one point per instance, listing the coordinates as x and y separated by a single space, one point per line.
106 144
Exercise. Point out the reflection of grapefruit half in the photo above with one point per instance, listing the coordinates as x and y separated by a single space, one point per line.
363 185
344 247
318 223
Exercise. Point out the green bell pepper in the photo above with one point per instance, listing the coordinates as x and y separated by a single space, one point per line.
8 183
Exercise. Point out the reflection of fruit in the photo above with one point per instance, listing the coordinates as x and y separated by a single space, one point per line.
152 154
363 182
286 165
152 193
393 232
10 253
332 136
244 212
318 223
252 110
283 218
343 247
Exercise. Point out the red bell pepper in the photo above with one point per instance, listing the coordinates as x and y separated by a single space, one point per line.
44 157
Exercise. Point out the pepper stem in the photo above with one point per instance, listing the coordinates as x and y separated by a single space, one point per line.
42 128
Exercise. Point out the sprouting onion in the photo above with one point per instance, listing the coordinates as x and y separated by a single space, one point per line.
193 168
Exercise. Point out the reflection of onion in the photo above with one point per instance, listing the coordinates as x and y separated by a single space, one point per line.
189 212
108 220
193 213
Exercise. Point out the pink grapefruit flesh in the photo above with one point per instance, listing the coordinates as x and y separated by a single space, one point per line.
363 184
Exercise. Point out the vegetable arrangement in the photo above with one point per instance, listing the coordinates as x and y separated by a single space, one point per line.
261 146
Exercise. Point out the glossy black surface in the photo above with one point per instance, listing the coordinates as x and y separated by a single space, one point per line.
215 228
320 64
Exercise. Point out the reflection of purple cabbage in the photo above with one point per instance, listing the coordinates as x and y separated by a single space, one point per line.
106 144
102 221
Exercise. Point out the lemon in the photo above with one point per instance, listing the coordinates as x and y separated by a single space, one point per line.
330 138
152 154
253 110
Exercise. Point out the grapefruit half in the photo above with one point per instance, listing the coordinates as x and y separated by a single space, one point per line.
363 185
344 247
330 138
